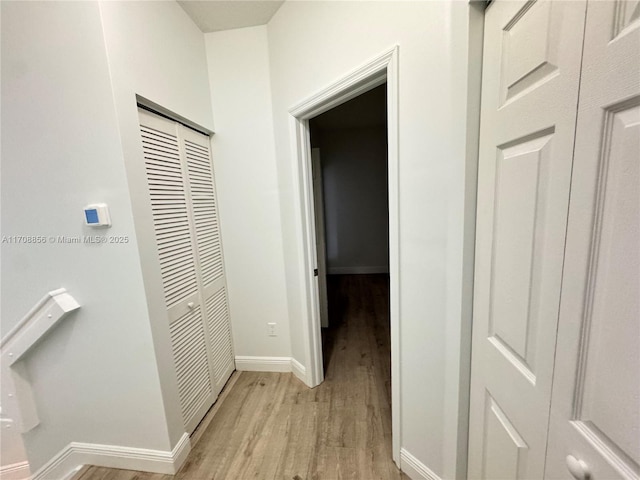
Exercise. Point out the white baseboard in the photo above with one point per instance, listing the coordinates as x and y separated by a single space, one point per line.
181 451
15 471
263 364
66 463
357 270
414 468
298 370
61 467
271 364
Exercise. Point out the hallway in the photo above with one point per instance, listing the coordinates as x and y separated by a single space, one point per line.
271 426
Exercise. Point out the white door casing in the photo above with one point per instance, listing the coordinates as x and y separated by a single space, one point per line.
595 415
321 249
182 197
530 81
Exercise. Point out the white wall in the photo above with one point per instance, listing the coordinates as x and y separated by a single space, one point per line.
244 161
311 45
356 207
95 376
65 134
157 52
70 136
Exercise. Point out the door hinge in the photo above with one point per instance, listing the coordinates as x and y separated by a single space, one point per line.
315 272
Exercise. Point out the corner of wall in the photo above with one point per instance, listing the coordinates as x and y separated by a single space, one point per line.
249 191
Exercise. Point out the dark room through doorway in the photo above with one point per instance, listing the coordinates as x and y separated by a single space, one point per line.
351 201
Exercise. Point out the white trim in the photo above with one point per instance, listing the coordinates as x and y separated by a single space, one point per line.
414 468
298 369
355 83
51 308
376 72
271 364
154 107
15 471
69 460
180 452
357 270
63 466
263 364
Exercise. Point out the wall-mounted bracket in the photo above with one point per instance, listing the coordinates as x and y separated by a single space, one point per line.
17 392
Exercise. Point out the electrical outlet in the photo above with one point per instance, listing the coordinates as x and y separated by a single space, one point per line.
271 330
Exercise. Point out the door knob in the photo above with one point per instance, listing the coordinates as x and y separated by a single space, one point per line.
578 468
190 305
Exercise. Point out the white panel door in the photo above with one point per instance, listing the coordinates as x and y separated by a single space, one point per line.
595 415
321 248
531 70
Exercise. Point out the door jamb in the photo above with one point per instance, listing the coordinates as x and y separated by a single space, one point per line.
374 73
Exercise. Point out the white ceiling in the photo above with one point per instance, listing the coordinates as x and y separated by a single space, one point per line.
215 15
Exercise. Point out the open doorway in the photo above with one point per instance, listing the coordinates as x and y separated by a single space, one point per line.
351 204
381 69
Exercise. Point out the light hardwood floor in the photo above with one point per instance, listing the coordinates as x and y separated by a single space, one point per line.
271 426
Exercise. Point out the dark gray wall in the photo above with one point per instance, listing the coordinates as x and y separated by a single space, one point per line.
355 182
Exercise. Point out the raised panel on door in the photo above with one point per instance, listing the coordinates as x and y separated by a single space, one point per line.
202 193
505 451
596 394
520 202
171 213
531 71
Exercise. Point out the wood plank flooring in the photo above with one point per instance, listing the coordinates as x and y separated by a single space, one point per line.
271 426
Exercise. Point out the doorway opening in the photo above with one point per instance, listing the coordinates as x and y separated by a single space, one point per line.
349 155
376 72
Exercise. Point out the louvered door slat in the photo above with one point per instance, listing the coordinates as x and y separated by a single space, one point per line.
173 246
156 148
160 165
169 226
156 133
178 258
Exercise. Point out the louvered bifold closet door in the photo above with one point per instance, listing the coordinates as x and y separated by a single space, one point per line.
209 252
175 241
